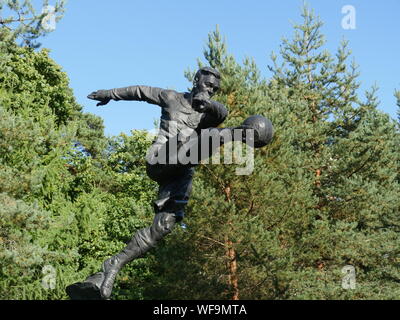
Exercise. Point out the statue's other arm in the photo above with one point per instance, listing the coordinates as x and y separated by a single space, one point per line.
214 115
133 93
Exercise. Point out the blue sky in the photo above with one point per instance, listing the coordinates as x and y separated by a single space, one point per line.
110 44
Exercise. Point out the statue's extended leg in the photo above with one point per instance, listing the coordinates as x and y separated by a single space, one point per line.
99 286
142 241
172 198
173 195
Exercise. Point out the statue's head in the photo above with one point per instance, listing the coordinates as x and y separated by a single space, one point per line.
207 80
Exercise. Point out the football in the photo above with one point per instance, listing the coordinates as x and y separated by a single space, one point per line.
264 128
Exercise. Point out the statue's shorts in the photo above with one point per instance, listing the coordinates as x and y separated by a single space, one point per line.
175 186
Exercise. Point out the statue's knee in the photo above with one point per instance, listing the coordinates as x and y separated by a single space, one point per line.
173 206
164 223
178 209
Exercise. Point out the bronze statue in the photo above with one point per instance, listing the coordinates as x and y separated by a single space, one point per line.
189 118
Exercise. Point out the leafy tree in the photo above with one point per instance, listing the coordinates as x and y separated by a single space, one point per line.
69 196
41 89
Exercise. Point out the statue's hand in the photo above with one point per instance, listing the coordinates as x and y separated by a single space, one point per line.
100 95
201 103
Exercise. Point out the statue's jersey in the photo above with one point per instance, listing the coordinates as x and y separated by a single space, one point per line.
177 115
177 118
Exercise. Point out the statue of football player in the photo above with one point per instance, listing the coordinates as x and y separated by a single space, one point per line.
188 123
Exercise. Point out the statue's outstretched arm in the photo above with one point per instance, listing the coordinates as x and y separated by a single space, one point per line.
133 93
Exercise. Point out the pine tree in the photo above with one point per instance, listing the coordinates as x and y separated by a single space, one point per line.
351 150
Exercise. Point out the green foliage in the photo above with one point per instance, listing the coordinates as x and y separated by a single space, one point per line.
397 95
69 196
35 83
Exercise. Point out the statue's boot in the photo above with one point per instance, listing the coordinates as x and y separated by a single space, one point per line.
142 241
87 290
